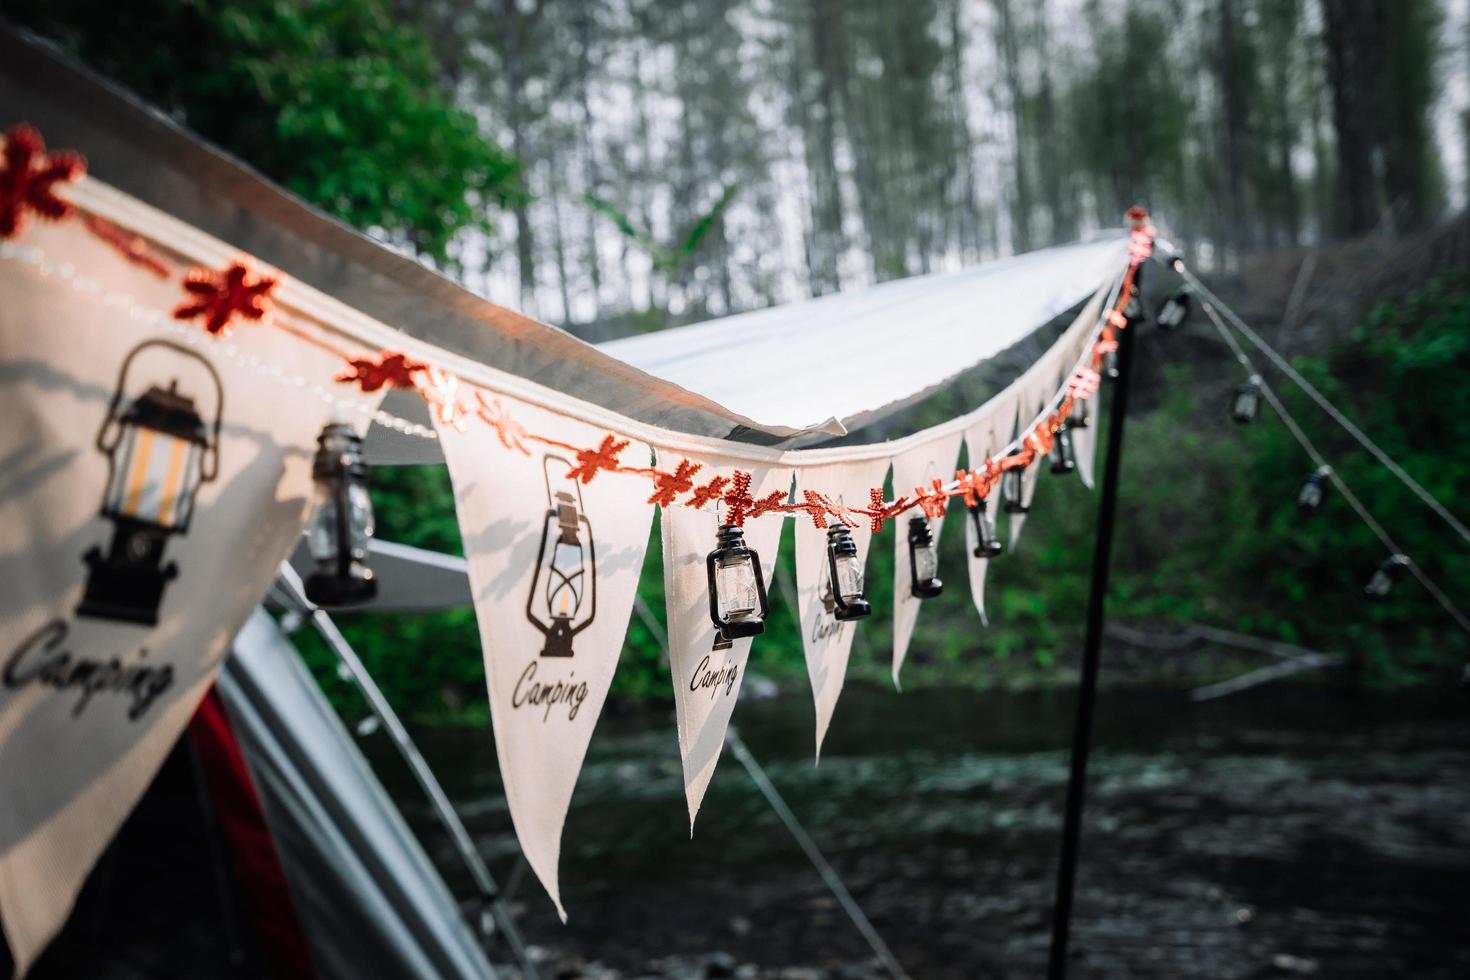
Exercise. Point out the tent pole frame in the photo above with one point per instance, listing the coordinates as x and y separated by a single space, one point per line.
1091 655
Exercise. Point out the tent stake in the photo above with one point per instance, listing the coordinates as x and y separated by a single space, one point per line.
1091 652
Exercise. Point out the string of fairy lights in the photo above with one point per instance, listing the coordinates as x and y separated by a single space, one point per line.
66 273
340 550
1322 402
1245 408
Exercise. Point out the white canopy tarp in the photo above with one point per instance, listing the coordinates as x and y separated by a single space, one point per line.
850 357
822 367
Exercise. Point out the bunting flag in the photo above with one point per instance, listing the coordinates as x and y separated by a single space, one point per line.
555 548
914 469
1026 411
708 670
827 640
982 441
153 477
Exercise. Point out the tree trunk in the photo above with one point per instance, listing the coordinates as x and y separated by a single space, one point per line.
513 24
1010 61
1234 97
1355 33
589 154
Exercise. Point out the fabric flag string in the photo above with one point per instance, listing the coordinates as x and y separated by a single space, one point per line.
150 490
707 669
554 561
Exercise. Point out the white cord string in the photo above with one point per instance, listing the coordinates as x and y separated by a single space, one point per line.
1323 403
35 258
1331 471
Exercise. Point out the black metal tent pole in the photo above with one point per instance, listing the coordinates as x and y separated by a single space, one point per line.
1091 652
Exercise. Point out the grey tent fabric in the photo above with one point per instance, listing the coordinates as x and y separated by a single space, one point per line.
370 902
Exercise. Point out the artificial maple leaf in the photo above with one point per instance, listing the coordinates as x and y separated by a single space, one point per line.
28 179
710 491
667 486
219 296
391 369
511 433
604 457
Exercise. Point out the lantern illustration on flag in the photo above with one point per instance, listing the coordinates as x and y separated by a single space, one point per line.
159 451
563 597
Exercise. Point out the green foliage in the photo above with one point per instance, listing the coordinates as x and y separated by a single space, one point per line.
1130 111
1212 531
335 100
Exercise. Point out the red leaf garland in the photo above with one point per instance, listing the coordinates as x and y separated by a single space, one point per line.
29 177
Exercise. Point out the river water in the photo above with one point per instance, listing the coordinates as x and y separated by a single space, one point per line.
1295 829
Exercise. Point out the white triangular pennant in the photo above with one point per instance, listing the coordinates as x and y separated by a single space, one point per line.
707 670
1026 411
914 468
1084 440
826 640
153 479
554 562
982 441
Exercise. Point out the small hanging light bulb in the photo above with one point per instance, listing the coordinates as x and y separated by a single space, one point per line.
1247 402
987 542
1063 458
1013 489
923 560
342 525
1175 309
845 575
737 589
1310 496
1385 575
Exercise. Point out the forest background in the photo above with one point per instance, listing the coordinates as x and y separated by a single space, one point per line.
624 166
